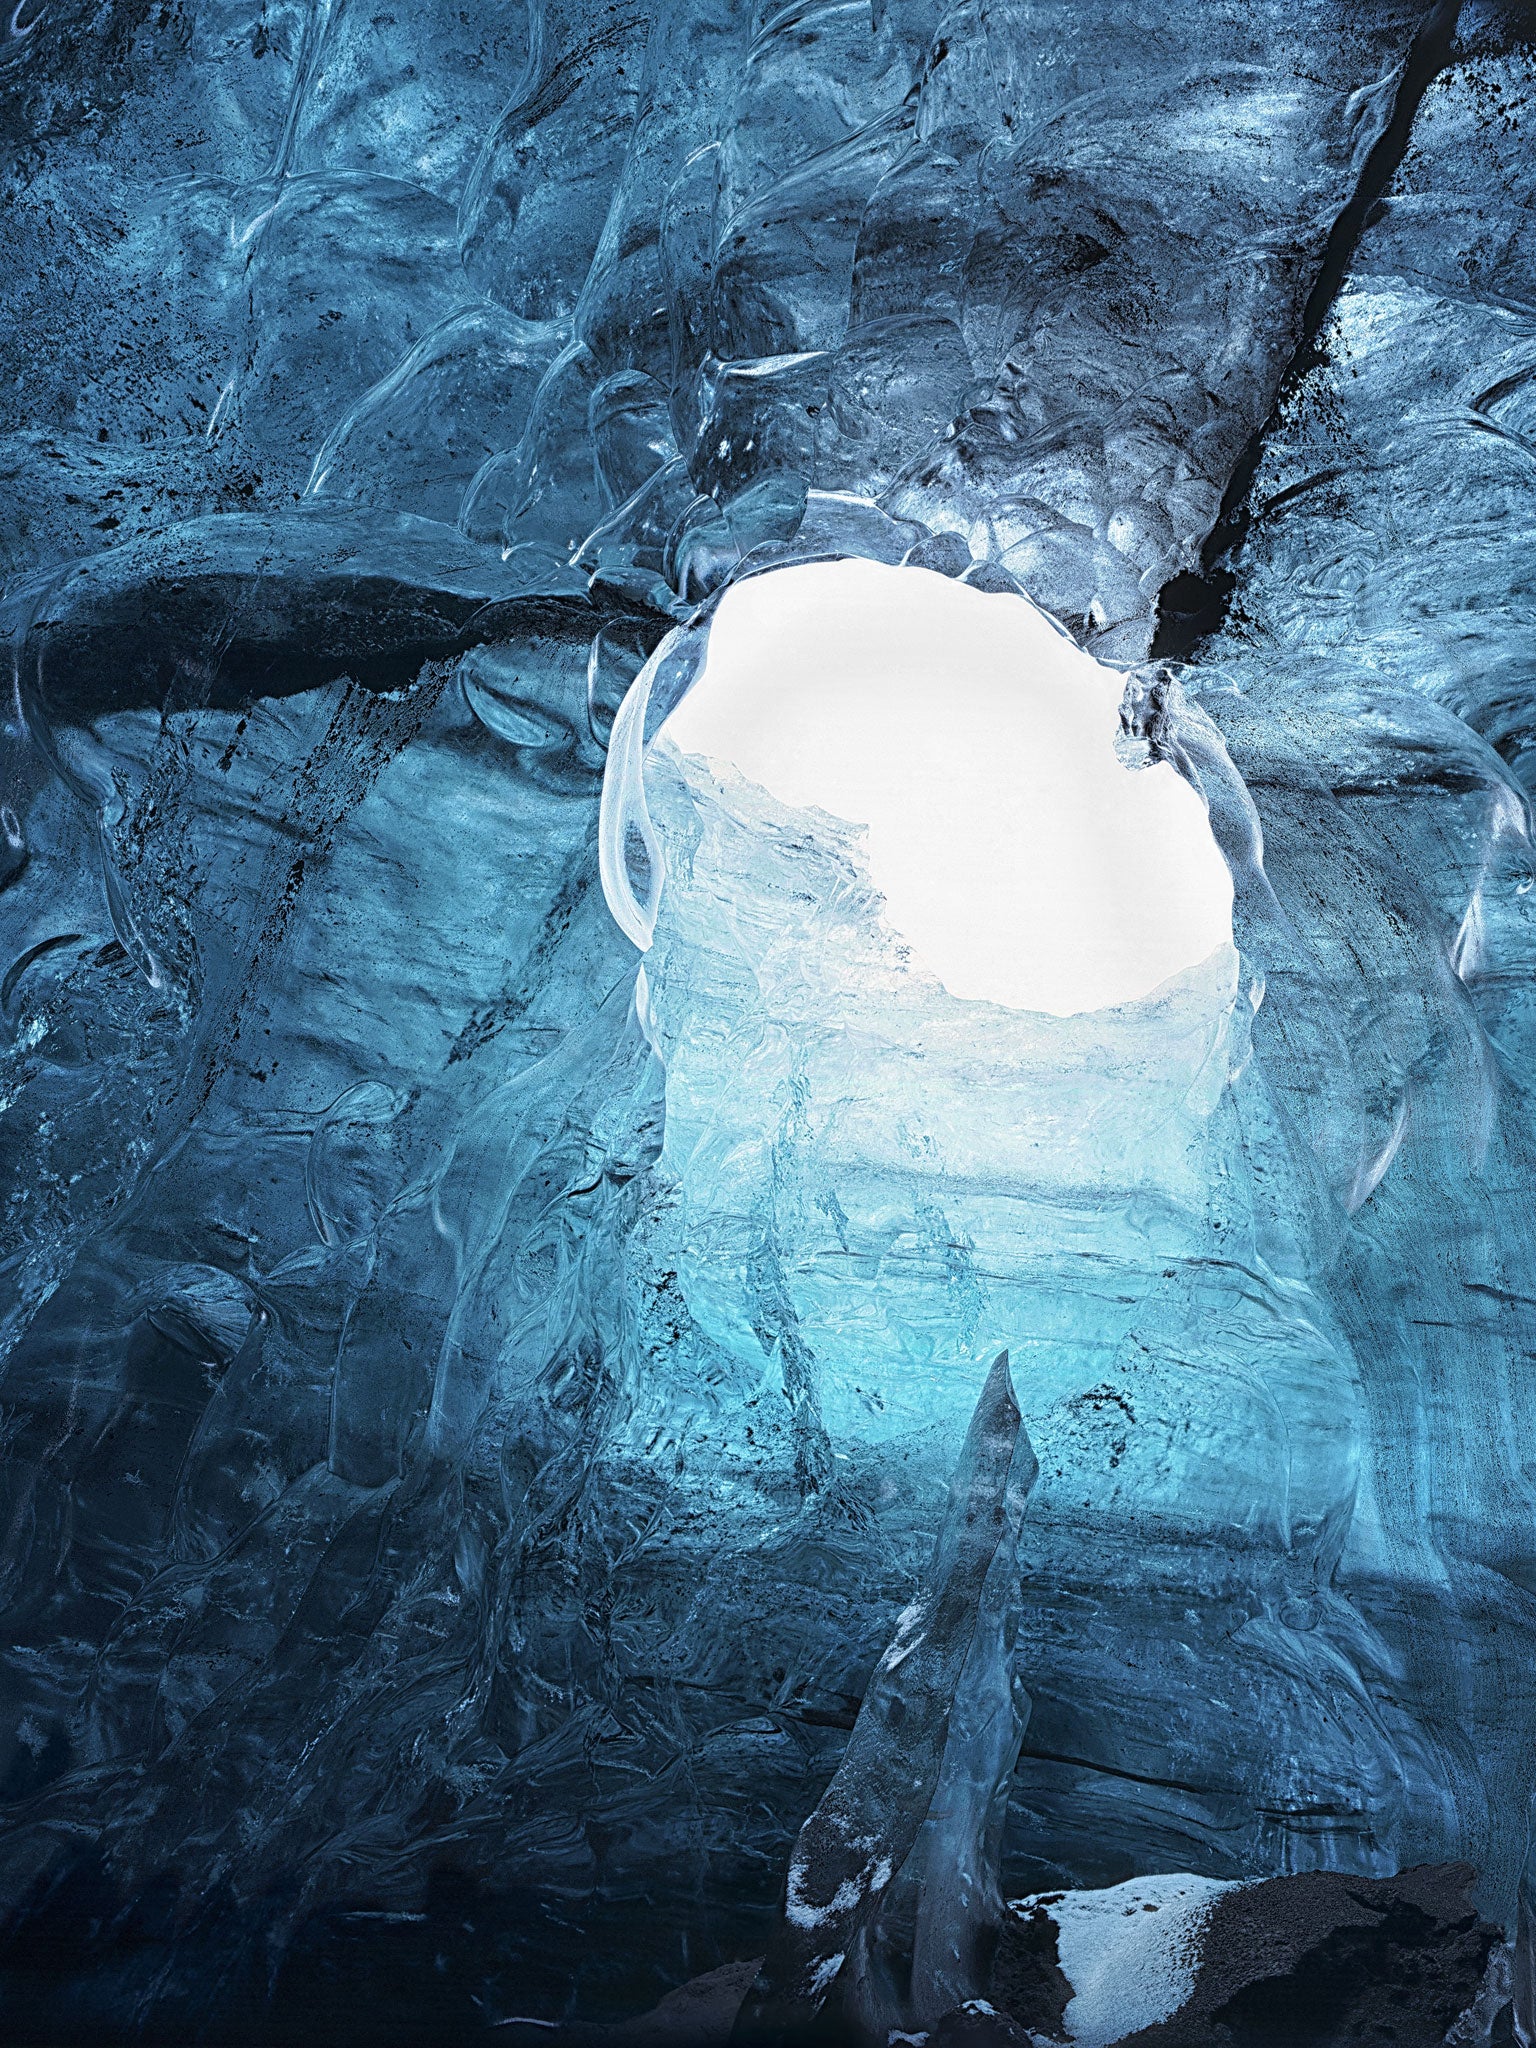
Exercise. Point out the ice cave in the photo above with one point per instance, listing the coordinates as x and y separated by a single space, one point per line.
768 1024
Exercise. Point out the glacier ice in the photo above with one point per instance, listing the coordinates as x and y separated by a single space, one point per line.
890 1896
473 1417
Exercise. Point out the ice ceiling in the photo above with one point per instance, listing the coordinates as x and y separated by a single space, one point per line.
471 1428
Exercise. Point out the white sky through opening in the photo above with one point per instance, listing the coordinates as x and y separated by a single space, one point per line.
1018 857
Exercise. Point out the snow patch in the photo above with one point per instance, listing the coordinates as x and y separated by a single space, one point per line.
1130 1952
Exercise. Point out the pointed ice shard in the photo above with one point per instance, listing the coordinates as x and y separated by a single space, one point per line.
916 1792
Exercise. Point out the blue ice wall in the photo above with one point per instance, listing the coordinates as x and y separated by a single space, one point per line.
400 1543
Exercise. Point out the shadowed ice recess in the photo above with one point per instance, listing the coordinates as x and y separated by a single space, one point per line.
717 708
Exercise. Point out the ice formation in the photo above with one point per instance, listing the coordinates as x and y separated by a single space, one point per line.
891 1895
474 1411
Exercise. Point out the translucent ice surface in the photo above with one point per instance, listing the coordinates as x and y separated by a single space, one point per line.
543 1056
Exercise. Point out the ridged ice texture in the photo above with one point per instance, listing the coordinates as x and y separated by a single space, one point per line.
891 1903
1375 691
388 1495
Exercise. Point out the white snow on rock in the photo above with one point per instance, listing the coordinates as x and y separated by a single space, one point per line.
1129 1952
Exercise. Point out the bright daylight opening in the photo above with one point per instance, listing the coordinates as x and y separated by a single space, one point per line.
1019 858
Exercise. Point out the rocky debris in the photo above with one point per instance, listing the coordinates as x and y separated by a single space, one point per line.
698 2014
1324 1958
1028 1982
1318 1960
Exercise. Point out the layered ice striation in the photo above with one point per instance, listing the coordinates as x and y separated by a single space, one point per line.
475 1412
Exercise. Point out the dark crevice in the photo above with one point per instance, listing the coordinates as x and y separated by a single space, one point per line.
1083 1763
1193 605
